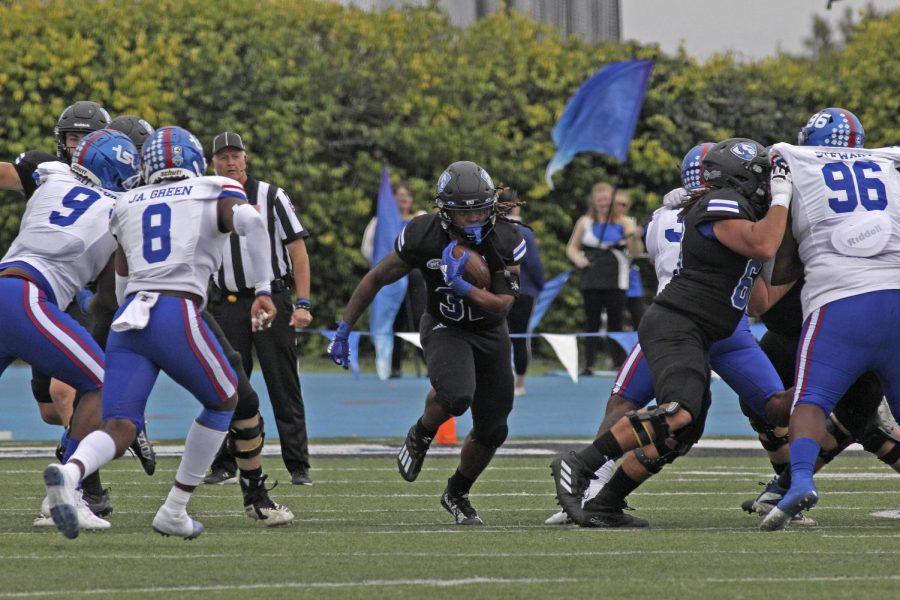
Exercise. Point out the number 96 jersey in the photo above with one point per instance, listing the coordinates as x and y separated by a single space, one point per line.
170 233
846 220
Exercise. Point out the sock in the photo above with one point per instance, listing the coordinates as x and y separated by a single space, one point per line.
784 479
91 484
459 484
616 489
779 467
200 448
71 447
602 476
422 431
250 475
602 449
94 451
804 452
177 500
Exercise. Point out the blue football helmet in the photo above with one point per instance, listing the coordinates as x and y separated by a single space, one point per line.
691 173
833 127
172 153
107 159
464 186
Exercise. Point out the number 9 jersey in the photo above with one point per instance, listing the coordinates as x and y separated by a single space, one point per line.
846 220
170 233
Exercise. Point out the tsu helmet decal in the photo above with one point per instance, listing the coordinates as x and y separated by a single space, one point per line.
464 186
82 117
738 163
107 159
172 153
833 127
691 174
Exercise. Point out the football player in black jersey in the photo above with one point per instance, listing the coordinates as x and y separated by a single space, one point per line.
730 228
463 331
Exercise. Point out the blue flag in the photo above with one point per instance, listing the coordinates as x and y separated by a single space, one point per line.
545 298
602 114
388 300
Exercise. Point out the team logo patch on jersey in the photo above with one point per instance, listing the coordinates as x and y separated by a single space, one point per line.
434 263
744 151
730 206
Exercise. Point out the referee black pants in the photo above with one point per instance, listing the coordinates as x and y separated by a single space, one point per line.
276 350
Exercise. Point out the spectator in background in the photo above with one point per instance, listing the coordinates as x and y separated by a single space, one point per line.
531 282
599 247
413 306
634 296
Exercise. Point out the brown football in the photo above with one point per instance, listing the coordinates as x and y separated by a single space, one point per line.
477 272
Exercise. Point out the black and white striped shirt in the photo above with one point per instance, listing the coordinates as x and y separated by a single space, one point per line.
283 225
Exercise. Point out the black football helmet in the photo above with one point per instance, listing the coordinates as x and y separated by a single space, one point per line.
738 163
134 127
82 117
464 186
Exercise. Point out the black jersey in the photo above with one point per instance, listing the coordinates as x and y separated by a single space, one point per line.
26 164
712 283
786 316
421 244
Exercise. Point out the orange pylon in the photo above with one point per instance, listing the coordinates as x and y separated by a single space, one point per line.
446 433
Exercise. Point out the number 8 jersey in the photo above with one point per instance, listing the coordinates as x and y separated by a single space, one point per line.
170 233
846 220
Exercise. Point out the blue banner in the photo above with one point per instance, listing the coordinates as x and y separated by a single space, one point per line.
545 298
602 114
387 302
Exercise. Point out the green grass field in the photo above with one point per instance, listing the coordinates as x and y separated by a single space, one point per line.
363 532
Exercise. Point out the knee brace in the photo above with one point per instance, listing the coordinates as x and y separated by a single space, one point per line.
766 431
843 440
493 438
248 434
657 418
653 465
876 435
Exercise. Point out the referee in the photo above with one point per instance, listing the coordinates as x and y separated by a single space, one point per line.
230 299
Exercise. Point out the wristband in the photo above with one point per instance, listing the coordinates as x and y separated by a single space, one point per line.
303 304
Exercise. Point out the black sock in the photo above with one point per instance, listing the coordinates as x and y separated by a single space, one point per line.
602 449
779 467
784 479
252 474
92 485
616 489
422 431
459 484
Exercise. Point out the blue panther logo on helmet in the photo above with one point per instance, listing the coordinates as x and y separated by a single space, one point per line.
172 153
691 173
833 127
108 159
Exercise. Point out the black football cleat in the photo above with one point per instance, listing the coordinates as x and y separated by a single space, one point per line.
143 450
571 478
608 517
412 454
461 509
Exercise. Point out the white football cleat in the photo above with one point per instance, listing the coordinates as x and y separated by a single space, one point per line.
558 518
180 524
61 500
87 520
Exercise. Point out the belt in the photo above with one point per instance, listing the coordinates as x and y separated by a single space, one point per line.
278 285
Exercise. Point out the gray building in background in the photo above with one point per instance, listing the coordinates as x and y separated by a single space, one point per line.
592 20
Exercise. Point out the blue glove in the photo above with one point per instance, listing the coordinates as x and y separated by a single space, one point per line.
83 298
453 268
339 348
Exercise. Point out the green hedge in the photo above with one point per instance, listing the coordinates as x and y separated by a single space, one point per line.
324 94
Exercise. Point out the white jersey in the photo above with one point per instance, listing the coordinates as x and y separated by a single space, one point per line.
846 220
170 233
663 239
64 234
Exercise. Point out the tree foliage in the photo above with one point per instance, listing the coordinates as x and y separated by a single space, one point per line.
325 94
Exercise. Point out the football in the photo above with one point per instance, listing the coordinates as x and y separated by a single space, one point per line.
477 272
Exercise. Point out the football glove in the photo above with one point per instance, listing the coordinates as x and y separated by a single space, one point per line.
781 184
453 268
339 347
